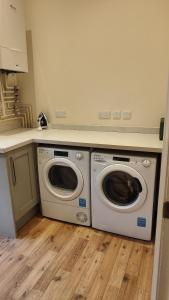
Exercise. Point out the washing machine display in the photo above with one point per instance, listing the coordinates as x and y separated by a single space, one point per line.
122 193
64 184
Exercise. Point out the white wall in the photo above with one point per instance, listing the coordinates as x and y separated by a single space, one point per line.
99 55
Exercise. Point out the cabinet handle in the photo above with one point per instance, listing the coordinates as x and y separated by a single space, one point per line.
12 6
13 171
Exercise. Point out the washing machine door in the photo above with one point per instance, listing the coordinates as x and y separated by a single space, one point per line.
121 188
63 179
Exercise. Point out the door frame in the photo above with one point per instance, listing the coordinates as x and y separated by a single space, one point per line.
161 200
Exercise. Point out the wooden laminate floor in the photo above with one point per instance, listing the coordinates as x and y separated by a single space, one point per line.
52 260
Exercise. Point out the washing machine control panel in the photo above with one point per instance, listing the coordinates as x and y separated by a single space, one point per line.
133 160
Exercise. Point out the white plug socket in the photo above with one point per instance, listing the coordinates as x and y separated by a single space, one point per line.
116 115
104 115
127 115
60 114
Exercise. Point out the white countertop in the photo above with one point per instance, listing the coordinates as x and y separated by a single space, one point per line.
14 139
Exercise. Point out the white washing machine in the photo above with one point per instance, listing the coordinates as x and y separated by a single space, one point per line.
64 176
122 193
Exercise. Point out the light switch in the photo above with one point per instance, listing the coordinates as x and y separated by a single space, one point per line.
105 115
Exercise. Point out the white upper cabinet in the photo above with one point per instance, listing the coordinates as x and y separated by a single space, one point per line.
13 51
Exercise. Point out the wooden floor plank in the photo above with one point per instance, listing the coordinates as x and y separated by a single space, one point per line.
27 285
86 283
56 286
53 268
128 288
74 255
103 275
52 260
145 273
118 270
80 268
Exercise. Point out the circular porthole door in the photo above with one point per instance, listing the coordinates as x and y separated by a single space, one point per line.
121 188
63 179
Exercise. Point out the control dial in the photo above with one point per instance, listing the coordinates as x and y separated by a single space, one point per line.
79 155
146 163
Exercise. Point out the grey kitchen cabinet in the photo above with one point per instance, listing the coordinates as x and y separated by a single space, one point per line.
19 186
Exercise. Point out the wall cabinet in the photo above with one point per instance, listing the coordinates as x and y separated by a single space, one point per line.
19 189
13 51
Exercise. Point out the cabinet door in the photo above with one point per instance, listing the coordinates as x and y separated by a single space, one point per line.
12 25
23 181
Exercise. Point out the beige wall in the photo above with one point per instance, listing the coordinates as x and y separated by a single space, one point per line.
99 55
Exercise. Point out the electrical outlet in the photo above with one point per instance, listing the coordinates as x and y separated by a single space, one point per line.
127 115
104 115
116 115
60 114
